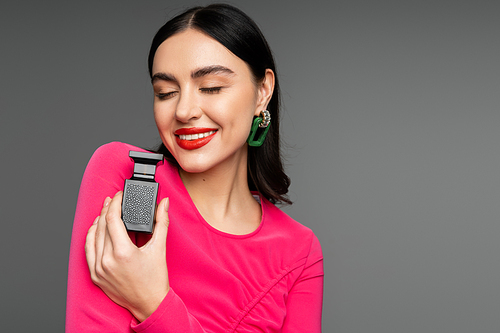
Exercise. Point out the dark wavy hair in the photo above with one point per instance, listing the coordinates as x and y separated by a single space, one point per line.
240 35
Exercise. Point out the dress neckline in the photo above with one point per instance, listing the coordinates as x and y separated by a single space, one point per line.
255 194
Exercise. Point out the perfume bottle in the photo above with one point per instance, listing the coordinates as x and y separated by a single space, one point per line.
140 193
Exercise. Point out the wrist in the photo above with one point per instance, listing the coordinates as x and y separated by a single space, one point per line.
149 307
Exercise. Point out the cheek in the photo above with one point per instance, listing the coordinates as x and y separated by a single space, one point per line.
162 116
157 117
163 124
237 111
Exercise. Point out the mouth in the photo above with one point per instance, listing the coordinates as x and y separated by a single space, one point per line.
194 138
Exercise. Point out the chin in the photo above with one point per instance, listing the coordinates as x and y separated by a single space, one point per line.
193 166
190 169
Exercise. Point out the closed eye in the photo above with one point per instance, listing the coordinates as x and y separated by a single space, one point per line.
211 90
164 96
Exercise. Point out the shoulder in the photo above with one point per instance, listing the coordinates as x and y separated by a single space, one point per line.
113 155
113 152
110 163
299 240
278 219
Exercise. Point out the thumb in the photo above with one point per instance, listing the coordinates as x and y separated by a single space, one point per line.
162 221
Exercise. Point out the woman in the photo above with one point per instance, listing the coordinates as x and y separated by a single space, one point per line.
236 263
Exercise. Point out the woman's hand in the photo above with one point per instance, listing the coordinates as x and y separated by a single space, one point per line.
135 278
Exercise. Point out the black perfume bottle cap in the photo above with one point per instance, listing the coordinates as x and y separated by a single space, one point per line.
145 164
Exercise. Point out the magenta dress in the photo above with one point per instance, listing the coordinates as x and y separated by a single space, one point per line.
270 280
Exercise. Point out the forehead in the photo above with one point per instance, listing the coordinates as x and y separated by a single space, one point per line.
192 49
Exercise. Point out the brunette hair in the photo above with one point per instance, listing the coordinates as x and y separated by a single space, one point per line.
240 35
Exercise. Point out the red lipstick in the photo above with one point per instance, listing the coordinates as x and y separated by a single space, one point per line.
190 144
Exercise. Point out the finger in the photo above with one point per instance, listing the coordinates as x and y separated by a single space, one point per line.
162 222
114 224
90 247
110 216
107 243
101 231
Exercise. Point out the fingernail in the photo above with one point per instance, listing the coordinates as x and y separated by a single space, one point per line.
167 203
96 220
107 201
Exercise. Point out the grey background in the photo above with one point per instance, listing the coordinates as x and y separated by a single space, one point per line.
391 115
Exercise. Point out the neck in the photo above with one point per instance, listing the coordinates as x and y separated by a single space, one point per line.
223 198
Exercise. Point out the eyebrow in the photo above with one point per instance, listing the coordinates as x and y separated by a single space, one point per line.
214 69
163 76
204 71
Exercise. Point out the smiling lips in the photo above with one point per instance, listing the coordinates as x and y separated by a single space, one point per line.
194 138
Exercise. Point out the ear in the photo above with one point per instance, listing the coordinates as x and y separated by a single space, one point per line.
265 91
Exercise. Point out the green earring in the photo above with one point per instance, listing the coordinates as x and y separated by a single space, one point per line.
259 122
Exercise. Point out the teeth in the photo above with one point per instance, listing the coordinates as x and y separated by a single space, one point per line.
195 136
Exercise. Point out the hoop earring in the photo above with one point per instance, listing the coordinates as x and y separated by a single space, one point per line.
259 122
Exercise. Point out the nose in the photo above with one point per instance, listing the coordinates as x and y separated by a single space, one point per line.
187 107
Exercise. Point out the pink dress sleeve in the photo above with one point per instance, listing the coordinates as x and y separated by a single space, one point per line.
171 316
88 309
305 300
